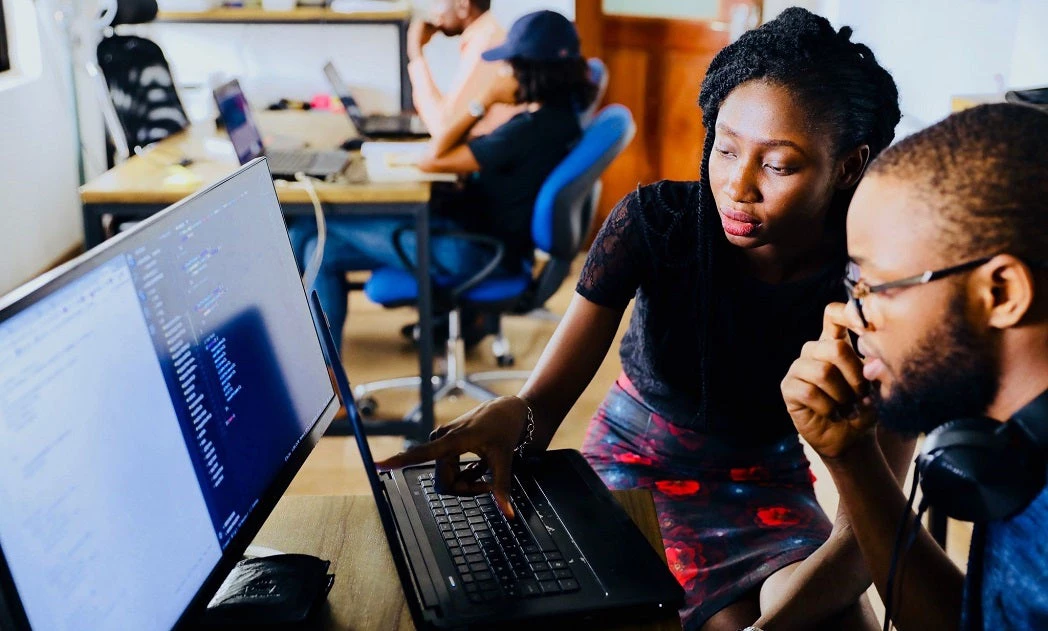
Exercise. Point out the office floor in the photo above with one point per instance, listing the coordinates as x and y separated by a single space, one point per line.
375 350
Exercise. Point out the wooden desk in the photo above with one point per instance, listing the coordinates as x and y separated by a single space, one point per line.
156 178
399 18
367 594
145 185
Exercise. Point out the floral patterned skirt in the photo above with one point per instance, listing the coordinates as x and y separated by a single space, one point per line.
730 515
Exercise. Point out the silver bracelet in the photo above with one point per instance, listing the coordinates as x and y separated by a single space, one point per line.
753 628
529 431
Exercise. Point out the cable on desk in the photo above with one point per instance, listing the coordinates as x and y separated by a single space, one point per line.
309 275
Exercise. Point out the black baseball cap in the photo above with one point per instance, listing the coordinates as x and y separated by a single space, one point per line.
538 36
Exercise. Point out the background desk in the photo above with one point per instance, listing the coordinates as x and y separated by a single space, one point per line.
144 185
367 594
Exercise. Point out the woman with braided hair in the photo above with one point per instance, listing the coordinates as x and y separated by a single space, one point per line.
730 275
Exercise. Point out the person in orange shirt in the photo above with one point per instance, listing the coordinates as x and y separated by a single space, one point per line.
473 23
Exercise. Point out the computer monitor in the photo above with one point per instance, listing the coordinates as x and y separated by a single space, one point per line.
157 395
236 116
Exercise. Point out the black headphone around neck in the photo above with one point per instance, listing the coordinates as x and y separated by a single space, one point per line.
979 469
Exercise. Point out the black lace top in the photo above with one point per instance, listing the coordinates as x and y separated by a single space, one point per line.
647 249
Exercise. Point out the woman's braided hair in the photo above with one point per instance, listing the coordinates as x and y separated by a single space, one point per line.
840 83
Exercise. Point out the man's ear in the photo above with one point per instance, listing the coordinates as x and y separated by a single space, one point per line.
852 166
1005 288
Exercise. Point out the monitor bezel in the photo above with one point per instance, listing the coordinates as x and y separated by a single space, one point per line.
45 285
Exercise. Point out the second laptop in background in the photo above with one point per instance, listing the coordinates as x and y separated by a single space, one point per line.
403 125
247 140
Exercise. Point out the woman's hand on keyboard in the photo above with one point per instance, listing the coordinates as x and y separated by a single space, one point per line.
492 431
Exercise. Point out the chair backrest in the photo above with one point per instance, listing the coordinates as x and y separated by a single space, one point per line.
141 89
598 74
563 212
134 12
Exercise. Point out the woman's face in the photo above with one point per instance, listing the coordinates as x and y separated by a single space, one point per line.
773 173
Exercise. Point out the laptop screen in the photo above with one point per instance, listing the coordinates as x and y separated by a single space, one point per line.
236 116
341 89
152 397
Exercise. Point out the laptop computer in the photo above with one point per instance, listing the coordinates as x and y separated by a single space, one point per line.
570 551
157 396
247 140
404 125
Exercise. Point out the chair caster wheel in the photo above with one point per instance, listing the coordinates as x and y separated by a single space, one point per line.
505 361
367 406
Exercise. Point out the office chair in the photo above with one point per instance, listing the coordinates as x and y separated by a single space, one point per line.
561 220
598 75
140 103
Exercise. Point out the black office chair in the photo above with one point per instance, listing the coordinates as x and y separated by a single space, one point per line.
143 105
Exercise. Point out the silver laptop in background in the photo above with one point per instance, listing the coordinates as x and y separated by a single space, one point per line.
403 125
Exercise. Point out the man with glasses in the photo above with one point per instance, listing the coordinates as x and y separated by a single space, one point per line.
948 239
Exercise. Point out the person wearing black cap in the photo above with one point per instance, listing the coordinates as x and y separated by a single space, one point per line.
541 70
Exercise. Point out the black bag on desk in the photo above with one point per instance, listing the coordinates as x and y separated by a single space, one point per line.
284 591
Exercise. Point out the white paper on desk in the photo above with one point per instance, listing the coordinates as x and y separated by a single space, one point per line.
395 162
361 6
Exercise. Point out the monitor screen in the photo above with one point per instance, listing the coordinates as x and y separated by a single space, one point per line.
236 116
342 91
156 397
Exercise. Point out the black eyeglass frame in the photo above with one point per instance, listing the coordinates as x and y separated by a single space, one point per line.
859 289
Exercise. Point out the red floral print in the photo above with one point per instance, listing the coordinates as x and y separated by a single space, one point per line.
682 562
631 458
678 487
777 516
750 474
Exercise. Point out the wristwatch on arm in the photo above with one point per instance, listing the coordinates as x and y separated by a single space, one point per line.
477 109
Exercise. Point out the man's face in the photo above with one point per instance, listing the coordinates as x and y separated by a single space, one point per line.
449 16
928 361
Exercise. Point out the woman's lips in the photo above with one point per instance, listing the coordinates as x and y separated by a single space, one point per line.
738 224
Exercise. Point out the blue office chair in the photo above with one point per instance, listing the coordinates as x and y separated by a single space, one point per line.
561 220
598 75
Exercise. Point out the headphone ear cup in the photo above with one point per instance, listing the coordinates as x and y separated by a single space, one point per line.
973 471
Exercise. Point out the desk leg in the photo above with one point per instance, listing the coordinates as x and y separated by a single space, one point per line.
407 104
93 232
425 323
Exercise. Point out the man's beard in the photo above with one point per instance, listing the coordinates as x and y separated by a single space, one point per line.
950 375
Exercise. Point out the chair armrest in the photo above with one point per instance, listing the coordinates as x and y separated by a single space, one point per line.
497 247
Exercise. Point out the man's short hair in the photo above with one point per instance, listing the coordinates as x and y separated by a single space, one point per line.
481 5
984 174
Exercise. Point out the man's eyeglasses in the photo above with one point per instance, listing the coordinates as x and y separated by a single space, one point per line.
858 289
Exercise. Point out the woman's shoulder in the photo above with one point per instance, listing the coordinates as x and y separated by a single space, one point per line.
663 207
662 198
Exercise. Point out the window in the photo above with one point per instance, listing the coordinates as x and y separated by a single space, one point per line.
5 59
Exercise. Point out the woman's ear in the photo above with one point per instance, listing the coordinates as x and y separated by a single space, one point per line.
852 166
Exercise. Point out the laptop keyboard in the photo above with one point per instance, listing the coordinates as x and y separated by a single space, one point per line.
496 558
290 161
306 161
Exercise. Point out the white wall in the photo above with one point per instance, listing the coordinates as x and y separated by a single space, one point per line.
936 49
1030 54
274 61
39 204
